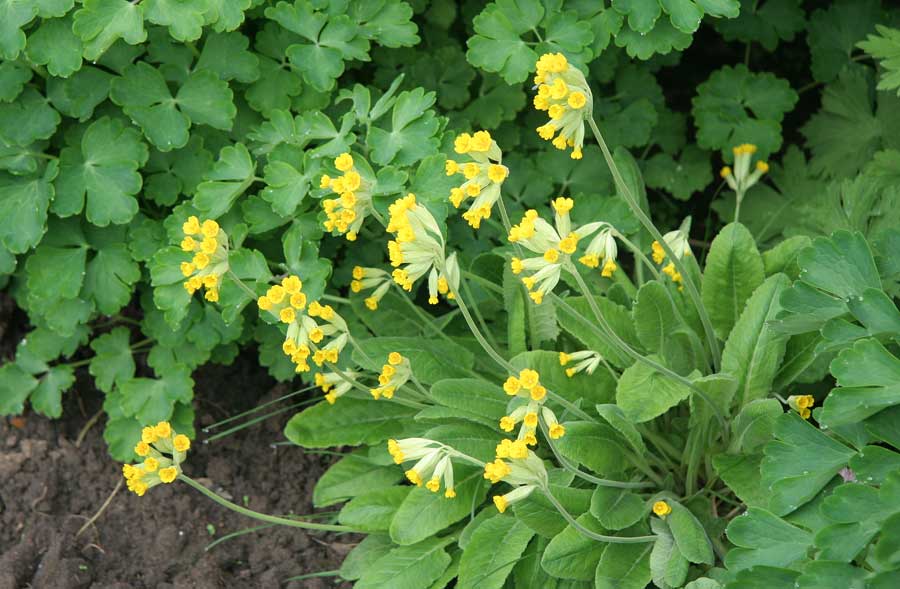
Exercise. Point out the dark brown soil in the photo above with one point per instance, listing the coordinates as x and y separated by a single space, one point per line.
49 488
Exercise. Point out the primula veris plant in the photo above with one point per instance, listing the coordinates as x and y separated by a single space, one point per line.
488 241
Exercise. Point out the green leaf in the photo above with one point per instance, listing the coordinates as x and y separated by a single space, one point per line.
595 445
741 474
101 176
737 106
100 23
662 39
13 77
184 18
13 17
490 555
423 513
832 575
110 278
774 21
763 577
78 95
46 399
354 475
753 351
868 378
477 396
373 511
689 535
226 55
23 209
412 133
497 45
668 567
473 439
764 539
615 417
833 33
15 386
56 272
151 400
617 509
389 22
682 178
654 317
583 326
754 424
55 45
886 47
408 567
571 555
350 422
734 269
229 178
644 394
427 357
28 119
799 463
364 555
641 14
540 515
624 566
113 363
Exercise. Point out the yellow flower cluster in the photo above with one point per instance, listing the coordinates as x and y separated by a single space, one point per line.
307 326
662 509
802 404
517 465
393 375
418 248
163 451
602 249
209 244
433 463
741 178
678 242
529 409
483 172
371 278
564 93
346 213
554 245
584 361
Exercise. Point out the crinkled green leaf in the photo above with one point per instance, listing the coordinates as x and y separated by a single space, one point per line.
184 18
151 400
497 45
231 175
766 23
15 386
112 363
835 30
764 539
100 23
55 45
23 209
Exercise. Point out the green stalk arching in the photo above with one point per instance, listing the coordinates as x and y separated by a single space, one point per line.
588 533
272 519
648 224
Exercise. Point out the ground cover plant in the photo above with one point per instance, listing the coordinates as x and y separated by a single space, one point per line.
590 305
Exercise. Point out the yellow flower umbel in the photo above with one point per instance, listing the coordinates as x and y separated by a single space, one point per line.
346 213
335 385
583 361
433 463
741 179
483 172
418 248
163 451
565 95
602 250
393 375
662 509
554 244
209 244
528 408
678 242
802 404
371 278
520 467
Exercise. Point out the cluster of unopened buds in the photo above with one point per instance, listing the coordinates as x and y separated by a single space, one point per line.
346 213
433 463
584 361
802 404
563 92
741 178
209 245
483 172
163 451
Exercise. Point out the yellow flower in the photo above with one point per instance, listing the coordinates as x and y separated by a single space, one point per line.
512 385
528 378
394 358
662 509
484 173
142 448
500 502
168 474
181 443
344 162
209 228
163 429
191 226
151 464
564 94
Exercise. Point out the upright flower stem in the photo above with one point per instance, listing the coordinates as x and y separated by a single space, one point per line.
630 199
272 519
588 533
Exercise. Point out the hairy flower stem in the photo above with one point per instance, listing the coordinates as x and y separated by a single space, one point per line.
630 199
272 519
242 285
634 353
588 533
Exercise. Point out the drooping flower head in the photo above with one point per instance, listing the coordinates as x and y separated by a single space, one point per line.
802 404
602 250
209 244
335 385
346 213
583 361
565 95
394 374
741 179
371 278
483 171
677 241
433 463
163 451
518 466
528 408
554 244
418 249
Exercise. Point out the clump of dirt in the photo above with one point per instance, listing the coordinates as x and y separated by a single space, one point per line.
49 488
